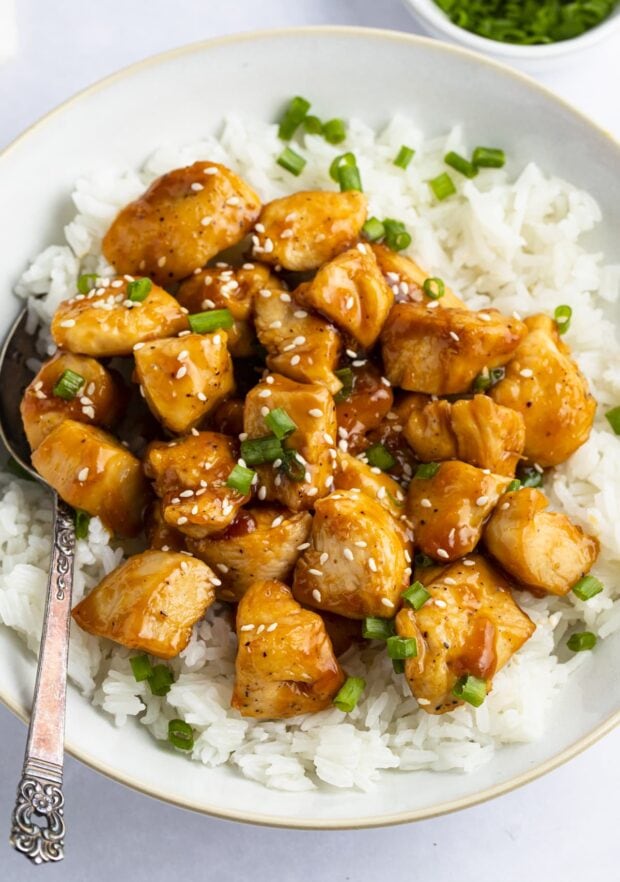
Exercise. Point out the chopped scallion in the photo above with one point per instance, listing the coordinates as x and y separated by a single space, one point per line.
334 131
293 117
427 470
212 320
613 418
373 229
139 290
398 665
471 689
434 288
160 680
180 734
582 640
380 457
86 282
562 316
416 595
460 164
349 178
442 186
529 476
240 479
375 628
488 157
423 560
348 696
81 520
405 155
402 647
141 667
313 125
587 587
345 375
514 485
291 161
280 423
293 467
340 161
396 235
487 378
257 451
68 385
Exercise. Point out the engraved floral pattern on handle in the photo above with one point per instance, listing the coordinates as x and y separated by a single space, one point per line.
39 795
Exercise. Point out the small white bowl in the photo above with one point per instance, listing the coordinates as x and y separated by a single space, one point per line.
532 59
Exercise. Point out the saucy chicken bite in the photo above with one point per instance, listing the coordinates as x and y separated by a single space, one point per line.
363 404
406 279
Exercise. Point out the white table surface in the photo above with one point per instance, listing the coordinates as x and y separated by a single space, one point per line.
562 827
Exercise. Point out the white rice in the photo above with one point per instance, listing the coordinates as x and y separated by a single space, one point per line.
510 241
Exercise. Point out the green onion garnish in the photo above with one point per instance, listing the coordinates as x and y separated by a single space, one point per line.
405 155
587 587
471 689
350 694
423 560
402 647
280 423
460 164
291 161
396 235
349 178
380 457
334 131
240 479
139 290
339 162
345 375
68 385
514 485
529 476
613 418
141 667
180 734
293 467
86 282
81 521
581 641
160 680
434 288
313 125
373 229
212 320
257 451
562 316
17 470
487 378
488 157
442 186
293 117
375 628
427 470
416 595
399 665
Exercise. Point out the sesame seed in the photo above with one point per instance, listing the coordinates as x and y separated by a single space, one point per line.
161 261
433 304
277 521
504 506
361 248
268 246
426 503
484 316
83 474
285 298
181 372
295 360
324 557
247 627
315 572
359 362
348 553
286 234
387 602
351 353
264 411
349 303
315 412
441 604
361 543
196 186
538 468
234 200
469 563
526 372
372 564
181 520
210 171
264 393
276 324
262 493
454 336
270 380
222 568
260 629
300 313
68 323
195 432
201 396
195 509
381 493
449 580
316 594
441 552
482 500
272 627
312 491
205 221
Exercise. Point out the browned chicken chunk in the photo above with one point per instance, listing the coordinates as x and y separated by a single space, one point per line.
285 662
149 602
406 279
184 378
302 231
100 399
545 385
471 625
543 550
90 470
441 351
184 219
448 509
365 407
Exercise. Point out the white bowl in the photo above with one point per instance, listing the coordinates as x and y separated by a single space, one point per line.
180 95
532 59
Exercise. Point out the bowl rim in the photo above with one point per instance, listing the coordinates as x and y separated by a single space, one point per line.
436 17
212 810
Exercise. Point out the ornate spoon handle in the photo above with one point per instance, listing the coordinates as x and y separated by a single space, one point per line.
40 790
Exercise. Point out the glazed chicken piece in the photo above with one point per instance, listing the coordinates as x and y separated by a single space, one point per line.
542 550
262 543
159 534
442 351
470 625
311 408
105 322
545 385
406 279
303 231
300 344
90 470
227 417
285 662
100 399
190 477
150 602
365 407
184 378
351 473
474 430
358 563
351 292
448 509
390 435
184 219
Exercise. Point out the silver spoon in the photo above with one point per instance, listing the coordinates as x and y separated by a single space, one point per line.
38 826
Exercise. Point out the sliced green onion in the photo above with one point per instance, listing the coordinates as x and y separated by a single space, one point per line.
240 479
291 161
514 485
460 164
581 641
434 288
141 667
442 186
345 375
180 734
17 470
375 628
380 457
86 282
396 235
423 560
373 229
405 155
293 117
402 647
613 418
313 125
212 320
334 131
257 451
293 467
68 385
349 178
529 476
160 680
427 470
399 665
339 162
81 520
487 378
350 694
488 157
562 316
139 290
471 689
280 423
587 587
416 595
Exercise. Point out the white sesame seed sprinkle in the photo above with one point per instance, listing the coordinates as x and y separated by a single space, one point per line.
247 627
161 261
372 564
426 503
348 553
482 500
469 563
67 323
526 372
441 552
264 393
387 602
454 336
295 360
83 474
316 594
181 372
